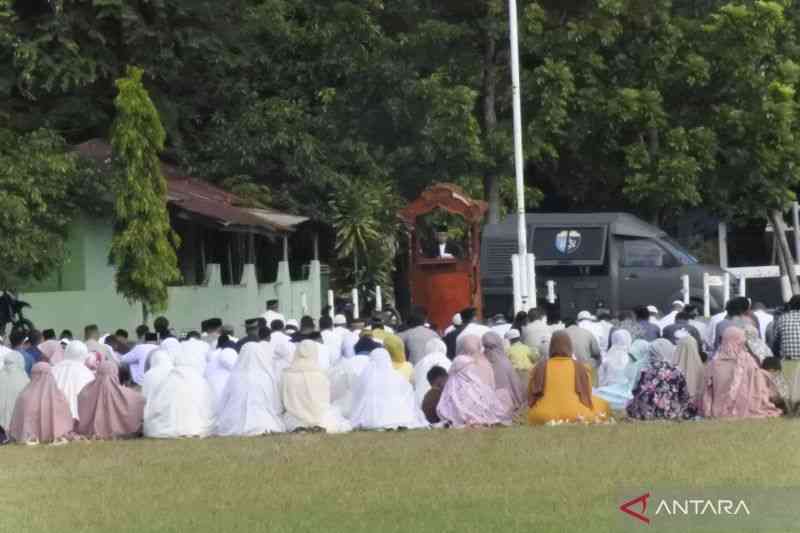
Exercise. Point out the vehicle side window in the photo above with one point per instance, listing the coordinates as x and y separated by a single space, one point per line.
643 253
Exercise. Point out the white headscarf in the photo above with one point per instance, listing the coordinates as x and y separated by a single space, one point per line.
197 351
306 393
218 371
182 405
160 366
435 355
251 402
688 361
12 380
306 390
72 374
612 371
383 398
344 377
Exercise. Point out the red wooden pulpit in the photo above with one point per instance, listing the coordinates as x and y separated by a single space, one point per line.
445 286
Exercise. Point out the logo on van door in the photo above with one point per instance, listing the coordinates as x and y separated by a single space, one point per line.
568 241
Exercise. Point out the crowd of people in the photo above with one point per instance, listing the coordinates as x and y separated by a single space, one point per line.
334 375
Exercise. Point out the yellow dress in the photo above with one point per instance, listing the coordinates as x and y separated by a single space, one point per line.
522 356
560 401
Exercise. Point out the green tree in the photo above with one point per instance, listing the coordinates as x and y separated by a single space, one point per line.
143 246
752 48
366 235
36 177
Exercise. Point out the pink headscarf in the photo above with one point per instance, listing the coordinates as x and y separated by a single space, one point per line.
107 409
41 413
506 379
471 346
467 400
53 351
735 384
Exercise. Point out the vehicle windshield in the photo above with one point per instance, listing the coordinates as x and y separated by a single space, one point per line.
684 257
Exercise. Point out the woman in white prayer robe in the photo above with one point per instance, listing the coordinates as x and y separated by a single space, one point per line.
218 371
383 398
344 378
160 366
182 405
72 374
174 348
196 351
251 403
306 393
435 355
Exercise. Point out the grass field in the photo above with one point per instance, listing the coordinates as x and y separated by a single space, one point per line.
562 478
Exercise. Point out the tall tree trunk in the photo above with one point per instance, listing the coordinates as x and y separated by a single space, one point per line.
491 191
491 187
784 253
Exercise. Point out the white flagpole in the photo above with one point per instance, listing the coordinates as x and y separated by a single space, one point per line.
518 160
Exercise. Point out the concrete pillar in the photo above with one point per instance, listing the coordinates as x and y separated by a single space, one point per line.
249 278
315 281
213 275
283 286
284 283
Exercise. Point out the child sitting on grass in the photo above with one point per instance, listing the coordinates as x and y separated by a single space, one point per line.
437 377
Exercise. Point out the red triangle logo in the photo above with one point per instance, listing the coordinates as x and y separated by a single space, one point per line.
627 508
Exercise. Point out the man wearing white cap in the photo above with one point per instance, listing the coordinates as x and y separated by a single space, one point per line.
669 319
455 324
340 329
588 321
654 312
584 344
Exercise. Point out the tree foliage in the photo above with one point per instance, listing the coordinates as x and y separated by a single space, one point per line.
653 106
367 233
35 179
143 247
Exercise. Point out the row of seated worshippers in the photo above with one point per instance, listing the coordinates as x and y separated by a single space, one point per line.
191 392
251 393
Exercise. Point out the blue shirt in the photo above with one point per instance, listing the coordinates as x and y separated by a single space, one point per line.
651 331
30 359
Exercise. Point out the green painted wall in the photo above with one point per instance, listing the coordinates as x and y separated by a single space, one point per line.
72 275
95 300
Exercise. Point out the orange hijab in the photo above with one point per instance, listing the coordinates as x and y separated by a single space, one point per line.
560 346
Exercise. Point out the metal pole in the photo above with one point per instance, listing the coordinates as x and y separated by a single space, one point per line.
378 299
706 296
518 161
331 303
533 293
355 303
723 245
796 225
687 289
516 283
726 289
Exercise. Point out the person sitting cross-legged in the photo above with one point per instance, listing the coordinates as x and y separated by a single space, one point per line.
561 388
